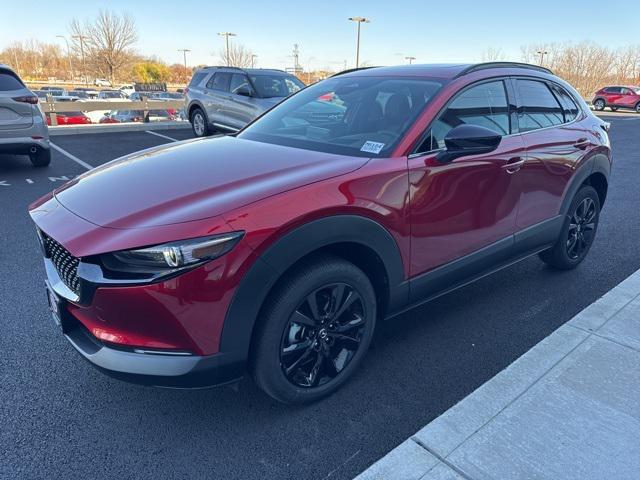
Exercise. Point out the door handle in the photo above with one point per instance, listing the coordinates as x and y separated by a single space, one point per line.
582 143
513 164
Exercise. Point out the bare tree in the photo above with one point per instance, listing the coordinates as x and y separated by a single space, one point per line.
106 42
237 56
493 55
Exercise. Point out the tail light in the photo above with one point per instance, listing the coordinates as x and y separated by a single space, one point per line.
186 90
32 99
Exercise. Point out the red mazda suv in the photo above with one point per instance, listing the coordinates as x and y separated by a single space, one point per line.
276 250
617 97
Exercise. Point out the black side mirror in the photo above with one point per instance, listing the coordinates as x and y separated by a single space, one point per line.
468 140
244 90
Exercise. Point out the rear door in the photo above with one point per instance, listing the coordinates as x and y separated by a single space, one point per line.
217 97
13 114
613 95
555 141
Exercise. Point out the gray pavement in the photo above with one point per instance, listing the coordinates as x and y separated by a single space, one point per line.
569 408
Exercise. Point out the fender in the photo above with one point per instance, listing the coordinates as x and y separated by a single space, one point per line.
263 274
196 103
598 163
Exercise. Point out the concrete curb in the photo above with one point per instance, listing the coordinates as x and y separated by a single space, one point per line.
116 128
437 450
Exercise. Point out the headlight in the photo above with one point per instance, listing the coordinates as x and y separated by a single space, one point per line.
172 256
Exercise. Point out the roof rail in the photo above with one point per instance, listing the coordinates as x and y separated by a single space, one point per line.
488 65
349 70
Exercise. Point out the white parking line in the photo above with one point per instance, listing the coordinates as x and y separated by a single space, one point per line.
72 157
163 136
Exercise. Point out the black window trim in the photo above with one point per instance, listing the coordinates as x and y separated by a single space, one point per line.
549 83
511 106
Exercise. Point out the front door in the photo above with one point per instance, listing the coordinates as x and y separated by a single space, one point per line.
460 207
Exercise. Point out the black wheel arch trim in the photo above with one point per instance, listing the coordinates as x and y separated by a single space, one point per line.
266 270
197 104
599 163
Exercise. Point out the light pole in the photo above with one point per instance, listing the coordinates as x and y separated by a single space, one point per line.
542 53
69 55
84 66
184 56
411 59
358 20
253 59
227 35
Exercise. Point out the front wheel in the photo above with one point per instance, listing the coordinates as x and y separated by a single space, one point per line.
614 109
578 231
314 331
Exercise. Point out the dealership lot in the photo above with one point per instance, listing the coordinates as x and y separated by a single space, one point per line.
61 416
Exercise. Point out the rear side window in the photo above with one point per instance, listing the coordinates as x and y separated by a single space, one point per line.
219 81
569 107
197 78
484 105
539 108
612 89
9 82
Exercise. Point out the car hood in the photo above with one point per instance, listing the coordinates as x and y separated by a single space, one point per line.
193 180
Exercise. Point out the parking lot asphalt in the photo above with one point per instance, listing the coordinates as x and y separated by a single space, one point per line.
62 419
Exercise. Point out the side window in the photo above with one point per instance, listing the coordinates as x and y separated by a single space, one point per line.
539 107
569 106
219 81
237 81
612 90
484 105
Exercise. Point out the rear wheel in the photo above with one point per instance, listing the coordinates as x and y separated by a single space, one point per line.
637 107
199 123
314 331
578 231
599 104
41 158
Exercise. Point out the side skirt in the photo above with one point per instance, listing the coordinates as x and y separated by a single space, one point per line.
482 263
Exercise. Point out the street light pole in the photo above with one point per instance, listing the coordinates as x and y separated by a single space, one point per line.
411 59
227 35
358 20
184 56
84 65
253 58
542 53
69 55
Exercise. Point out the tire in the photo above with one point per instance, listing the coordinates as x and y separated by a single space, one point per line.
578 232
637 109
614 109
599 104
330 346
199 123
42 158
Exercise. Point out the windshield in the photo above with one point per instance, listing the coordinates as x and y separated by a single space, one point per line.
269 86
361 116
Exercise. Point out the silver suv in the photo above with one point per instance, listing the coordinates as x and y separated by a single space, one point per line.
227 98
23 129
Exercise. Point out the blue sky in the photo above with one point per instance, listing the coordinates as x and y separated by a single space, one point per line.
443 31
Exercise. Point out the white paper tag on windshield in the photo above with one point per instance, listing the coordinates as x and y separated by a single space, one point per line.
372 147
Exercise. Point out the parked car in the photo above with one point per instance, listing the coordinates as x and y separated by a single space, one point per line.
23 130
91 92
112 95
101 82
127 89
70 118
54 90
41 94
120 116
167 96
277 250
228 98
627 97
79 94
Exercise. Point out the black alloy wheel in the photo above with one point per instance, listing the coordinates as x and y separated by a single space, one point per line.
323 335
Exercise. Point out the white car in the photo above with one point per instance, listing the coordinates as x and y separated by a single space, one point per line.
127 89
101 82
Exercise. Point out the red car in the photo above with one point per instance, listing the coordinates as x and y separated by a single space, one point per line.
617 97
277 250
70 118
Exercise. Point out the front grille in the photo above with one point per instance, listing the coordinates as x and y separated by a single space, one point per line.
65 263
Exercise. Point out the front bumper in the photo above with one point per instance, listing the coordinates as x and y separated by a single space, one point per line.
155 369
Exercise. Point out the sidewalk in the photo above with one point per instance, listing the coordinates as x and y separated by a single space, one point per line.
567 409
